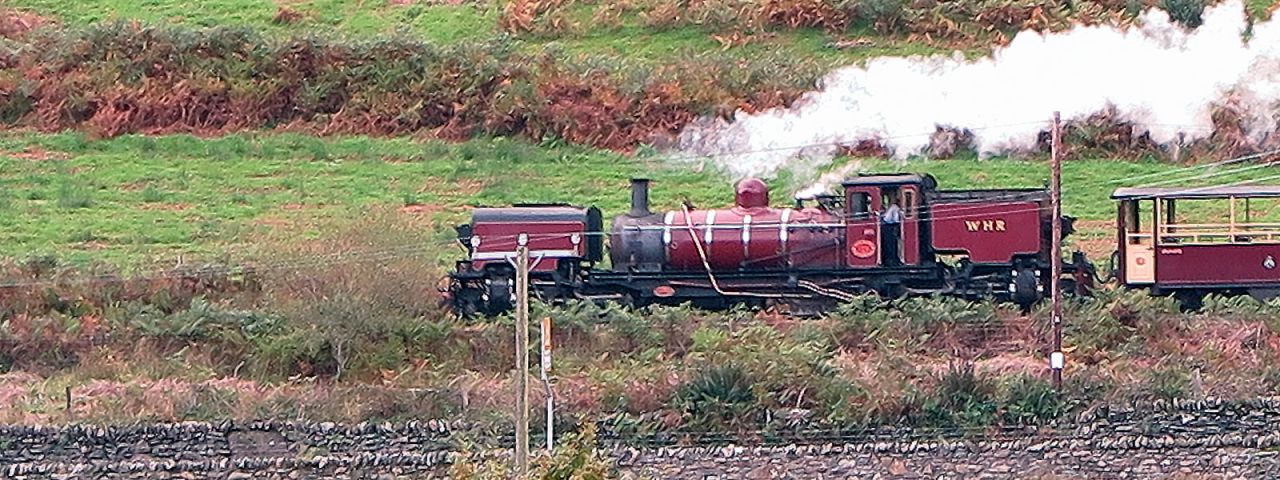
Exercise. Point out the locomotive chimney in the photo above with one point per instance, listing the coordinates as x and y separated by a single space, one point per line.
639 198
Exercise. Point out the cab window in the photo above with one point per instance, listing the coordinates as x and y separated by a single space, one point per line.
859 205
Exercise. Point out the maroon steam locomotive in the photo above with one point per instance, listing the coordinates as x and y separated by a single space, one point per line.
893 234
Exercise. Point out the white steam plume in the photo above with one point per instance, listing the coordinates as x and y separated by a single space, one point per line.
819 187
1163 78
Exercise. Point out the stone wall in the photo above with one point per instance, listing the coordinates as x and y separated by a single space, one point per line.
1206 439
1189 439
223 449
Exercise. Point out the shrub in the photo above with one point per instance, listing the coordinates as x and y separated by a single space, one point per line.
783 369
360 306
1029 400
961 399
1186 12
1239 306
53 340
1108 320
884 15
200 321
1166 383
719 398
924 311
575 458
114 78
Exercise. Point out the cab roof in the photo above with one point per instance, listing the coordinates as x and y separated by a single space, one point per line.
1222 191
886 179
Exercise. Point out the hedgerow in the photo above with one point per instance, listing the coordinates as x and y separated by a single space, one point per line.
114 78
931 20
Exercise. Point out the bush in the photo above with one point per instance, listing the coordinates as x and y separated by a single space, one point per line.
719 398
1239 306
575 458
887 16
1030 400
151 194
783 369
1166 384
362 307
1113 317
961 399
201 321
1186 12
54 340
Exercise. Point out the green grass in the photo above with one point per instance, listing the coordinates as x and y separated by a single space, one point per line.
443 23
144 198
136 199
630 40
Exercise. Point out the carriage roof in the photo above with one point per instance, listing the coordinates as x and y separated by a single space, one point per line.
1139 193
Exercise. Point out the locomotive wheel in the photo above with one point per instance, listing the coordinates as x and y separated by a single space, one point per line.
1189 300
1024 288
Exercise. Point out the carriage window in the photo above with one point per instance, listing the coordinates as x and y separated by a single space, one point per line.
1220 220
1137 230
909 203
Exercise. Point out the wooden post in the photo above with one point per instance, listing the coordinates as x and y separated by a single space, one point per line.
1056 359
522 357
546 382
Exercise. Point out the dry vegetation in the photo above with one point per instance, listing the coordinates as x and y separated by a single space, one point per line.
362 340
114 78
359 338
953 23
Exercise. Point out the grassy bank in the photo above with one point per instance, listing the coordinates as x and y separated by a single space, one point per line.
626 38
136 199
645 30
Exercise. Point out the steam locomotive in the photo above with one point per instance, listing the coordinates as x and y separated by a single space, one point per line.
892 234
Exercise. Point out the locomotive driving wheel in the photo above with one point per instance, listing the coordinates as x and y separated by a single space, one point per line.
1026 287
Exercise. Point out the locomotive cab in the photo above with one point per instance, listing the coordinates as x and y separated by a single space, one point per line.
883 213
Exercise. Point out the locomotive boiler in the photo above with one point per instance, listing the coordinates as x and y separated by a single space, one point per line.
892 234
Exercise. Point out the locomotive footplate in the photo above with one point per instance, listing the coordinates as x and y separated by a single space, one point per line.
642 288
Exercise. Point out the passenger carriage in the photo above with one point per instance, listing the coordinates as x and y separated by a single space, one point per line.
1192 241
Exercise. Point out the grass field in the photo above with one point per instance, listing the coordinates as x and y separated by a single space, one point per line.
136 199
628 40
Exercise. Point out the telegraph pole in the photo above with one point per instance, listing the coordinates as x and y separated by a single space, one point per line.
522 357
546 382
1056 359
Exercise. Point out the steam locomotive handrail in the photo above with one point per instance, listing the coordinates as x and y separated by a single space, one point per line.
732 226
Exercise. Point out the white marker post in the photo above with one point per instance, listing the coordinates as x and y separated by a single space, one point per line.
546 381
